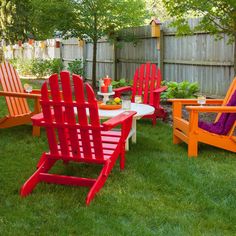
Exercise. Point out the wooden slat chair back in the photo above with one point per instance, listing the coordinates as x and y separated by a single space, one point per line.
75 134
12 90
147 78
66 119
147 83
10 82
190 133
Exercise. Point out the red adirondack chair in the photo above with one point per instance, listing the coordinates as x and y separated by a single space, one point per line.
147 83
75 134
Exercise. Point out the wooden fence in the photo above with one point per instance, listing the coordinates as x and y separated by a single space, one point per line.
196 58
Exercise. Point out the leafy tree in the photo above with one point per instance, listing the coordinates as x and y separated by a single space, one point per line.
217 17
49 16
98 18
40 19
14 20
157 8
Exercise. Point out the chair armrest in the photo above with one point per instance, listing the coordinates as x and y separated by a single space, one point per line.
37 119
34 91
160 90
20 95
194 101
118 91
117 120
228 109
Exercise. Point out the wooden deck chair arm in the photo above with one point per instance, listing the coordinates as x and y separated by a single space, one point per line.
37 119
194 101
160 90
118 91
38 91
118 120
20 95
228 109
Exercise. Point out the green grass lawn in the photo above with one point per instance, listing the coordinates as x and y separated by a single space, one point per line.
160 192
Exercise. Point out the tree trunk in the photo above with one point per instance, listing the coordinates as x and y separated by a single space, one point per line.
115 60
94 69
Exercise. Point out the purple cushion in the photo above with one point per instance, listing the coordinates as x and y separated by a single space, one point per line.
225 122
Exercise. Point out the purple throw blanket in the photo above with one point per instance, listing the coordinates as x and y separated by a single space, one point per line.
224 123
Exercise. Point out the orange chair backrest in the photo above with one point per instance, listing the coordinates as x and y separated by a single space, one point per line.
228 95
10 82
146 79
74 135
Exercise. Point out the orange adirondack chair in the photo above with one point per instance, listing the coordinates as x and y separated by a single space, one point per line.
77 136
190 132
147 83
12 90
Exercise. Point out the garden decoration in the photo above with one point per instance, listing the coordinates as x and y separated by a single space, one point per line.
82 140
147 83
105 89
219 134
19 112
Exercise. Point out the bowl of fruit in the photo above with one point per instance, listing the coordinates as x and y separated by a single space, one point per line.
112 104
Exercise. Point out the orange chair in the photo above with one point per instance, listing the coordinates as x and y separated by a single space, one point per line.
147 84
190 132
12 90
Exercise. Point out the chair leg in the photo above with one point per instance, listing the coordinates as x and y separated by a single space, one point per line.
31 183
154 120
192 147
122 158
99 182
36 131
176 140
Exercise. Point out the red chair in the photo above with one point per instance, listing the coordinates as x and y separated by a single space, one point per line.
75 134
147 83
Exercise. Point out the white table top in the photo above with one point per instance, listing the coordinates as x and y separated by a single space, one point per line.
141 109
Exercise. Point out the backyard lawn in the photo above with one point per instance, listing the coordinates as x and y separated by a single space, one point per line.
160 192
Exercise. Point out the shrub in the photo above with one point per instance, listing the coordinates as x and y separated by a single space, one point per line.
76 67
37 67
56 66
183 89
121 83
40 68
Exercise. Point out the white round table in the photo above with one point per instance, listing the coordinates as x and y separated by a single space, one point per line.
141 109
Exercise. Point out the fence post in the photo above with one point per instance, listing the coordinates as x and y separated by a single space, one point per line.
84 59
162 53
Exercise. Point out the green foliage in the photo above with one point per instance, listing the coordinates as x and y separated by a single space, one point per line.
40 19
37 67
14 20
183 89
121 83
76 67
55 66
216 16
157 8
40 68
24 67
